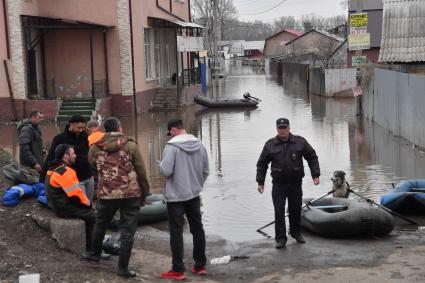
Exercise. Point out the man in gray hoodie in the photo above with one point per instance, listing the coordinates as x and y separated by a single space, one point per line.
185 164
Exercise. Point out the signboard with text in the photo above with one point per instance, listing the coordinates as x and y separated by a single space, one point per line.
358 41
358 20
358 60
190 44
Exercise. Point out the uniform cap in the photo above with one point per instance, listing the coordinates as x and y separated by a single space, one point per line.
282 122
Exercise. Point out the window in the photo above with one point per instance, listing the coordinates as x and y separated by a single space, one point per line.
149 53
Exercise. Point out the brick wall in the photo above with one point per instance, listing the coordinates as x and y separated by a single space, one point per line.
103 106
125 47
123 105
371 54
24 108
17 48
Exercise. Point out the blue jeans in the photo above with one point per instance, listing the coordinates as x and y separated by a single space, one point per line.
176 212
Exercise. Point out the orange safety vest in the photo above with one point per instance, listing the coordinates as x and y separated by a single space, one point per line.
95 137
63 180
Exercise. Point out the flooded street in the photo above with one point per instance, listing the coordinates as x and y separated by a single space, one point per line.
233 209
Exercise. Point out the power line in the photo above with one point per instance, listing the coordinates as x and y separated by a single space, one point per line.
265 11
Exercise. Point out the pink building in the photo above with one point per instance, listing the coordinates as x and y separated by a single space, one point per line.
102 50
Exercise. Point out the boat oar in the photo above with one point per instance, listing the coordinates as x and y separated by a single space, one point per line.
384 208
259 230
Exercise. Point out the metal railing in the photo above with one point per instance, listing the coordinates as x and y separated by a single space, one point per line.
191 76
100 89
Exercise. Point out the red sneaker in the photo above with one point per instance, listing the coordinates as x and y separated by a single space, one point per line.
173 275
199 271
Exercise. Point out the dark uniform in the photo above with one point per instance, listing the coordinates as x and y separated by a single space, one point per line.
287 171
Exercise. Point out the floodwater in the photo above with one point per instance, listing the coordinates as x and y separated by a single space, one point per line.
371 156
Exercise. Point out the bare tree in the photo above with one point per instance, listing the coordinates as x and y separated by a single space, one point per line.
325 48
215 16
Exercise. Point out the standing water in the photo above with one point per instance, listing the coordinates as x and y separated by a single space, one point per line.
371 156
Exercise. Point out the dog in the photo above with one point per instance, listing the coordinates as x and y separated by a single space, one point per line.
341 187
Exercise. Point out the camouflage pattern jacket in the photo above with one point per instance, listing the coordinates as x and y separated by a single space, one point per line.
119 166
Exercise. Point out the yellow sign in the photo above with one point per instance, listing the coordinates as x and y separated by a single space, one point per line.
358 20
359 41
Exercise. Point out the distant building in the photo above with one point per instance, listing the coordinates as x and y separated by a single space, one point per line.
315 48
275 44
374 10
341 30
254 49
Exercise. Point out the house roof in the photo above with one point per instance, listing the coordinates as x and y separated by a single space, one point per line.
403 31
254 45
325 33
291 31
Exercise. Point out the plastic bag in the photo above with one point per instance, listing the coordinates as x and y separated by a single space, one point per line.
221 260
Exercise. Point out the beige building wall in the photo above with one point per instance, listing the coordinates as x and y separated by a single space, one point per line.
102 12
275 46
141 11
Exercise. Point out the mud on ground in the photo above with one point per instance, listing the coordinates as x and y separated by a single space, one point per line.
25 248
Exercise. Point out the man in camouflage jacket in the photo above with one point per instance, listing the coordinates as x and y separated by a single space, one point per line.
122 184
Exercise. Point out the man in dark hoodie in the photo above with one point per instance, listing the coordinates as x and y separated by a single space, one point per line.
30 141
122 185
75 135
185 164
64 194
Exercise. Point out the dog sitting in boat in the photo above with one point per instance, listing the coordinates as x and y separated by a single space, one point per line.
340 186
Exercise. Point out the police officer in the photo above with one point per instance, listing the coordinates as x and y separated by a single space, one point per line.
286 152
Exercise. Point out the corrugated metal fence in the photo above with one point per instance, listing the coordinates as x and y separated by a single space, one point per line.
337 80
396 101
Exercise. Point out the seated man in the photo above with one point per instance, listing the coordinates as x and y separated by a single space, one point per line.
64 194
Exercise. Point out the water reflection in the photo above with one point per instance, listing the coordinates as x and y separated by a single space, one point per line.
233 209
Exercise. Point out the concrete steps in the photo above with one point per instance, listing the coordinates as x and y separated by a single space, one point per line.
166 100
83 107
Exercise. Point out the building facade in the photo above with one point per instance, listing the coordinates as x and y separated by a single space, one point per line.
107 50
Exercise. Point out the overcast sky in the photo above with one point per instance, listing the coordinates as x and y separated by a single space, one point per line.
294 8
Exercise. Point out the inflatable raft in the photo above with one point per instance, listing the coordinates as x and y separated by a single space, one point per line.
246 101
344 218
154 211
407 197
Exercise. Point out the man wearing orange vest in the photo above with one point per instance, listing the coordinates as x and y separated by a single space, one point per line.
64 194
95 132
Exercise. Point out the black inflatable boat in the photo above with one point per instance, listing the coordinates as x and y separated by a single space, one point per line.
343 218
246 101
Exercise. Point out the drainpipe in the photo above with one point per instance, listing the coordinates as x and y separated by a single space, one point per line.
91 63
6 29
105 50
130 11
177 69
188 5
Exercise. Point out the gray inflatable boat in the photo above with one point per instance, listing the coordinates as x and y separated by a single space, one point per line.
344 218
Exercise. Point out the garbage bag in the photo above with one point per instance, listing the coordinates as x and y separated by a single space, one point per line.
42 198
20 174
12 195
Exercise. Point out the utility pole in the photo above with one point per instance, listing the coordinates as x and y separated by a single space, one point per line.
214 32
359 9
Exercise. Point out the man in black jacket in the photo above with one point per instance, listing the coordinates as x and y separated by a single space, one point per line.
75 135
31 142
286 152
